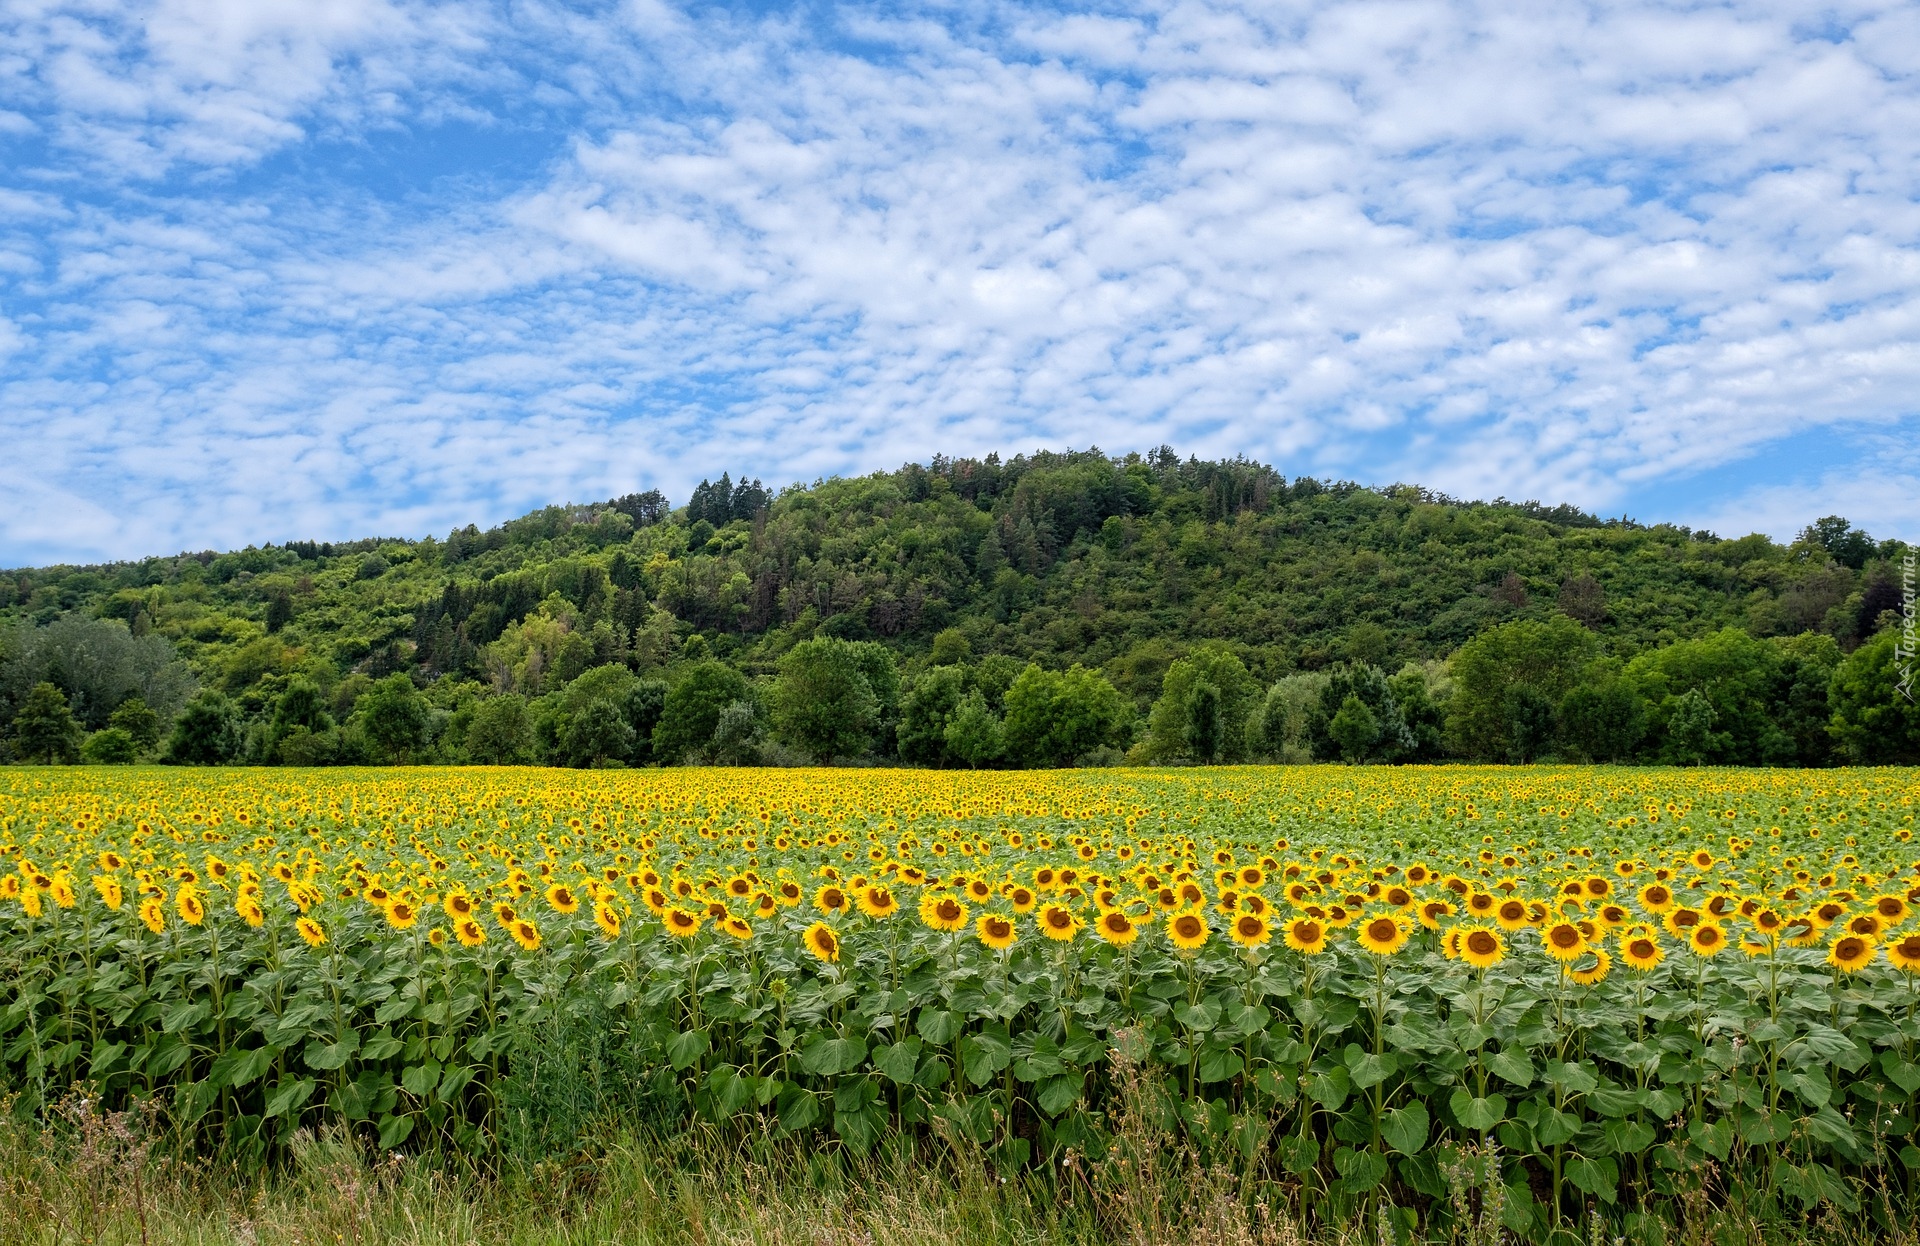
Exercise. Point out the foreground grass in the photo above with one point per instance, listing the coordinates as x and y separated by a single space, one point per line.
91 1179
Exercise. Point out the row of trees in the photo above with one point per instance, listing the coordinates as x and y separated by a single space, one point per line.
1521 692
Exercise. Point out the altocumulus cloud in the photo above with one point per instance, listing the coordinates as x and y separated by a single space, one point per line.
271 270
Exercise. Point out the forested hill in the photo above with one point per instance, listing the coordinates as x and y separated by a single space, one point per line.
1119 564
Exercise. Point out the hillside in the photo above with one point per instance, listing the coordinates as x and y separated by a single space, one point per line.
1120 564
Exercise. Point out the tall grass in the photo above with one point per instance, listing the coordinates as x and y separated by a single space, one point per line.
79 1175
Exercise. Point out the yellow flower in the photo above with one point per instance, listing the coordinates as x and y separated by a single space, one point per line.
562 899
1383 935
1249 930
470 932
830 900
188 905
1707 939
1593 973
109 889
1850 953
1564 942
1905 955
1117 928
822 942
681 923
1058 923
942 912
1480 947
995 931
401 915
1306 935
1187 930
878 902
154 914
310 931
1641 950
526 934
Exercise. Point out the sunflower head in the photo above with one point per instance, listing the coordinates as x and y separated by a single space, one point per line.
1382 935
1480 947
1249 930
1116 928
1304 934
1187 930
682 923
996 931
1707 939
822 942
1057 922
1850 953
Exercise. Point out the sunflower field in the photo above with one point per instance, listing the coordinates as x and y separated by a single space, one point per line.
1595 980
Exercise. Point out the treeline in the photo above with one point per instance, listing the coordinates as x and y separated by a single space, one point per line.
1052 609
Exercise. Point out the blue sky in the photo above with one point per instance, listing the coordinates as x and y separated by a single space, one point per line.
273 270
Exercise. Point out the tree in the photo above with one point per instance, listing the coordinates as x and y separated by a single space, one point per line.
207 732
111 746
1354 728
500 734
738 738
1420 693
1392 740
1170 730
1055 718
1550 657
1603 720
950 648
974 736
44 730
393 718
692 709
279 610
1583 600
823 702
1738 676
925 712
1529 723
596 733
1689 730
302 707
1876 720
1204 731
135 717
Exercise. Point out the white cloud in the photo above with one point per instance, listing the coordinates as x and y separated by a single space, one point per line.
1567 252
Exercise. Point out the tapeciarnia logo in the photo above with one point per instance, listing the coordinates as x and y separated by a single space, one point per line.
1903 653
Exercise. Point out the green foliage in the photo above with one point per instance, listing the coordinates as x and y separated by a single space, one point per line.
1354 729
1548 657
691 710
1876 721
501 733
392 717
111 746
1129 566
824 702
135 717
1203 708
974 735
45 730
1054 718
207 732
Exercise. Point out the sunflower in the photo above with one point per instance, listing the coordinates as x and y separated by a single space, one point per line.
1116 928
942 912
188 905
1059 924
457 905
877 902
401 915
1656 898
1480 947
1382 935
250 911
470 932
1850 953
1187 930
1023 899
822 942
1511 914
310 931
736 928
109 888
526 934
608 921
562 898
1249 930
682 923
1307 936
1905 955
996 931
154 914
1481 904
1680 921
1564 942
1641 950
1592 974
1892 909
1707 939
